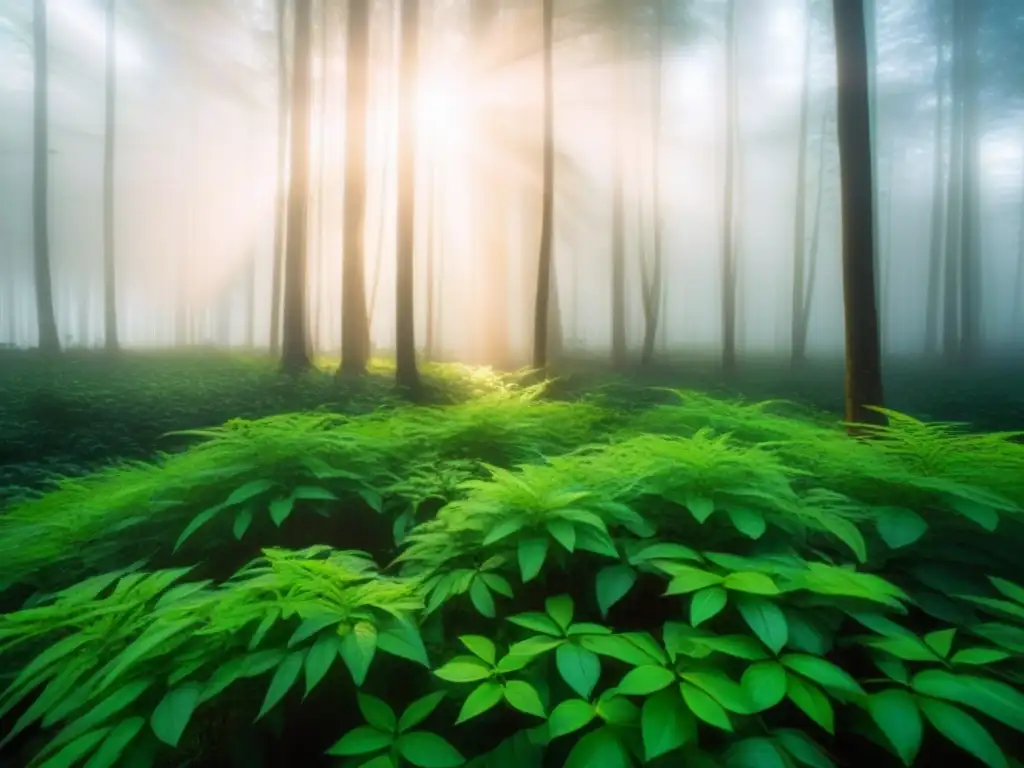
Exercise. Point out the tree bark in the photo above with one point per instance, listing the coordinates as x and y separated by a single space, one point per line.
798 333
276 293
109 264
618 286
970 240
954 207
653 285
934 298
728 287
541 317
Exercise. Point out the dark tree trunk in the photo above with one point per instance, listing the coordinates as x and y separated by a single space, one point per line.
863 354
541 316
798 332
49 341
406 373
931 335
970 239
1018 283
728 247
295 332
954 207
280 201
109 264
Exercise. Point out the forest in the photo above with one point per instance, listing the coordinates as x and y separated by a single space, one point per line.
584 383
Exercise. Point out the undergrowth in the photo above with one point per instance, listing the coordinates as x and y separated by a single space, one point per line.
514 581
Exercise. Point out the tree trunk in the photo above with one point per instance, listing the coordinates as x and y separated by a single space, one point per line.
109 268
355 333
652 283
1018 284
863 355
931 334
728 248
954 207
406 373
276 293
294 337
970 240
798 333
541 317
49 341
812 253
618 286
430 275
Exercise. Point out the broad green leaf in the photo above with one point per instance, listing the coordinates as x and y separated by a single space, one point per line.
538 622
941 641
812 701
806 634
560 608
979 656
195 524
747 521
76 750
419 711
722 689
403 640
531 553
428 750
362 740
896 714
665 551
480 647
357 650
964 731
899 526
666 724
497 583
311 626
701 704
766 620
534 646
564 532
243 519
686 579
313 493
701 507
613 584
617 710
592 540
645 680
752 582
503 530
617 647
706 604
464 669
484 697
524 697
569 717
173 713
978 513
481 598
114 744
765 684
991 697
281 509
757 752
579 667
904 648
248 491
803 748
1006 635
598 749
320 659
282 681
377 713
848 533
512 663
823 672
1008 589
372 499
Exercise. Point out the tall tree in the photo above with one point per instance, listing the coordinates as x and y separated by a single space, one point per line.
931 335
355 332
728 286
863 353
618 285
954 206
109 263
542 306
295 337
280 200
654 274
1018 283
970 240
798 332
49 341
406 373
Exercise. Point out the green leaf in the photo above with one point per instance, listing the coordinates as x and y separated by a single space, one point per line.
563 532
598 749
905 648
721 688
534 646
848 533
1009 637
243 519
372 499
964 731
480 647
752 582
513 663
982 514
991 697
645 680
747 521
823 672
282 681
706 604
1008 589
173 713
613 584
898 718
357 650
941 641
665 551
464 669
248 491
311 626
569 717
766 620
281 509
617 710
503 529
377 713
320 658
757 752
484 697
403 640
579 667
360 741
524 697
538 622
810 699
899 527
803 748
560 608
687 579
700 507
419 711
979 656
117 740
666 724
195 524
97 714
592 540
428 750
704 707
617 647
497 584
481 598
76 750
531 553
313 493
764 682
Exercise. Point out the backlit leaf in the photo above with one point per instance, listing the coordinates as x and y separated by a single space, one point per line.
666 724
173 713
569 716
613 583
531 553
524 697
896 714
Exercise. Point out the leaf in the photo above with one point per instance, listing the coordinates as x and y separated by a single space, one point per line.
616 647
991 697
706 604
613 584
645 680
721 688
497 584
464 669
580 668
524 697
941 641
480 647
810 699
313 493
617 710
281 509
757 752
534 646
979 656
704 707
117 740
428 750
765 684
803 748
243 519
360 741
569 717
823 672
747 521
899 526
964 731
484 697
311 626
598 749
372 499
284 678
563 532
531 553
982 514
700 507
592 540
357 650
503 530
752 582
687 579
560 608
403 640
248 491
848 533
898 718
377 713
538 622
195 524
1008 589
173 713
766 620
76 750
666 724
481 598
419 711
665 551
320 659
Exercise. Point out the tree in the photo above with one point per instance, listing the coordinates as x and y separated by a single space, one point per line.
109 264
798 330
728 248
280 201
618 286
406 373
938 186
541 316
863 354
970 241
294 337
49 341
954 205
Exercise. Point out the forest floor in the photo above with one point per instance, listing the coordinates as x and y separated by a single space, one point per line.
192 531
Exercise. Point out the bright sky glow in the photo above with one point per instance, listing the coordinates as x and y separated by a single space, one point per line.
83 21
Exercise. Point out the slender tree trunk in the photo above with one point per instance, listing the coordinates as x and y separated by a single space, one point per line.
545 266
294 337
970 239
250 304
863 353
618 286
406 373
728 248
798 333
931 335
280 203
319 302
431 274
954 208
1018 284
883 261
109 268
812 253
49 341
652 287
